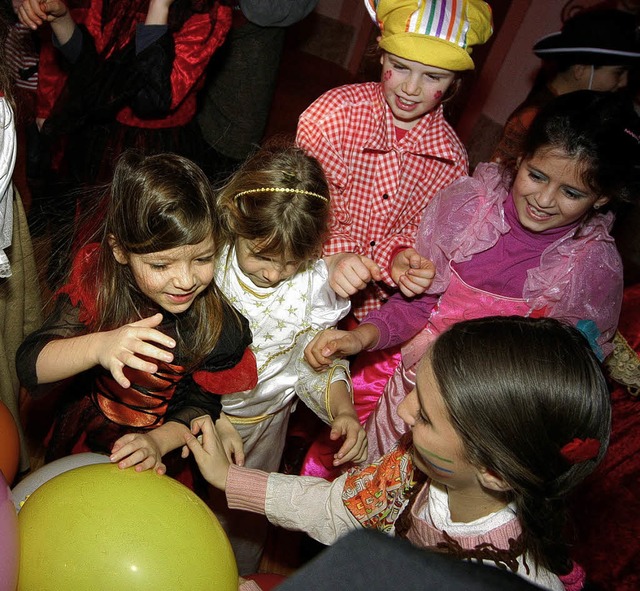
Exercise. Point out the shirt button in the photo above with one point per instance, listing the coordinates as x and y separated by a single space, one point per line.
385 196
372 243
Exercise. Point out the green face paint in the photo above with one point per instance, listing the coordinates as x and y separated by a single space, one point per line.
436 466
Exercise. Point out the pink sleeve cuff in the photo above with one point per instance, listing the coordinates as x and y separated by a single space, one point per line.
574 580
246 489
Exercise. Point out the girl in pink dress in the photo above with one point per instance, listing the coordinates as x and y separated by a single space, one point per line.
532 242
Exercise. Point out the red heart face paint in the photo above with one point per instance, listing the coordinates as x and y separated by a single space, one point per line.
412 89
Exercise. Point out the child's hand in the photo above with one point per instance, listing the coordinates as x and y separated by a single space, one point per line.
139 450
412 272
354 448
121 347
33 13
231 440
350 272
331 344
210 454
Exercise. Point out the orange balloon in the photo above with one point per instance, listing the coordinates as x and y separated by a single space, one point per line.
9 444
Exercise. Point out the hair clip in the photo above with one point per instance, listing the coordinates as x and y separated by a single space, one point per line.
633 135
580 450
281 190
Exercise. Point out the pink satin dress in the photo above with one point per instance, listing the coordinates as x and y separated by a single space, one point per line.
459 302
370 373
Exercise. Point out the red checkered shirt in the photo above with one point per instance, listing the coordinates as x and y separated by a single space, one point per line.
379 185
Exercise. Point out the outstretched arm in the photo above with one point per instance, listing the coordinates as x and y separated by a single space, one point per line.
113 350
300 503
346 424
333 344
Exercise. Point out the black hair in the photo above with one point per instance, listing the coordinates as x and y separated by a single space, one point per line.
601 131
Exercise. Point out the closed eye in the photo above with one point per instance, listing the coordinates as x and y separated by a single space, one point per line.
206 259
537 176
573 193
423 418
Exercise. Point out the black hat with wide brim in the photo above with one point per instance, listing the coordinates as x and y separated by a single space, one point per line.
594 37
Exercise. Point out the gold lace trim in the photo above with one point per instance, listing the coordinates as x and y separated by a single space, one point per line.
623 365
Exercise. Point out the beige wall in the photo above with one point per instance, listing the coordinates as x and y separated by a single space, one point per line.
509 71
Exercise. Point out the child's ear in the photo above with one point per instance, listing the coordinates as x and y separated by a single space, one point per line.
116 249
489 479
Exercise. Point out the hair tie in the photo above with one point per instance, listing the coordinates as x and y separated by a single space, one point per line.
580 450
633 135
279 190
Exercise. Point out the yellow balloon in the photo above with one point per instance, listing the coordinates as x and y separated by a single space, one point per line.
101 528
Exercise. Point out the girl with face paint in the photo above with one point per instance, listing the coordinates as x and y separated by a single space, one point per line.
386 149
497 440
532 241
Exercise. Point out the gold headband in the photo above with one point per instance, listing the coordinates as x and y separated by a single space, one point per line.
281 189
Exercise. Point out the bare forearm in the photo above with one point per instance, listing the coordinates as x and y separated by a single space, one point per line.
340 400
158 13
169 436
64 358
63 28
367 334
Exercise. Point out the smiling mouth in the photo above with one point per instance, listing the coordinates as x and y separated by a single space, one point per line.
536 213
181 297
405 104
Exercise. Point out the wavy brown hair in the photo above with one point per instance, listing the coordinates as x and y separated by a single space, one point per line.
158 203
282 223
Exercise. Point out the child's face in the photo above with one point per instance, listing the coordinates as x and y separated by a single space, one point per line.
605 78
412 89
172 278
548 191
439 451
263 270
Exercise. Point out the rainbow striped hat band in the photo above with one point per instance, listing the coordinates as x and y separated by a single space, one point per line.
437 33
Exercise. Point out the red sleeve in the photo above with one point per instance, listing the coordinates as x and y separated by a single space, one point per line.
51 77
195 43
241 377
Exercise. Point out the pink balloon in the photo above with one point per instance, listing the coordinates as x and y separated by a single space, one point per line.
9 546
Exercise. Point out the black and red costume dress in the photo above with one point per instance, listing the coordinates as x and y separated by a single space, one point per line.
118 84
94 410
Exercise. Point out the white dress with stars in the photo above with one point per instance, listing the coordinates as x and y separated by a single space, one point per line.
283 320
